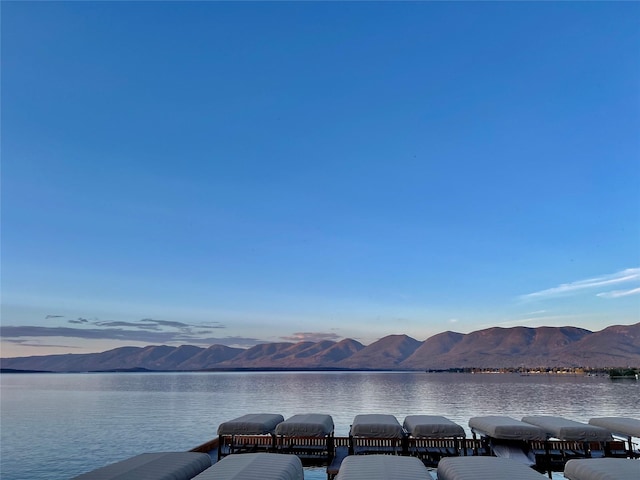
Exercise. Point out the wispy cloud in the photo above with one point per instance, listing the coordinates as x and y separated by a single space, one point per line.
620 293
53 316
542 320
311 337
157 325
628 275
32 343
78 321
26 335
139 325
170 323
147 330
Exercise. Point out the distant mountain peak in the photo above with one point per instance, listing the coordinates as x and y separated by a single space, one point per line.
614 346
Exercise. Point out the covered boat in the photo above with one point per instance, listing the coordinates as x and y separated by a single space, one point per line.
622 427
376 426
485 468
618 425
310 436
574 439
431 437
507 437
382 467
255 466
306 425
432 426
251 424
153 466
249 433
505 428
565 429
376 433
602 469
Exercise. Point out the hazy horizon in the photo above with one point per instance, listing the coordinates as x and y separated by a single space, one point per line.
243 172
306 340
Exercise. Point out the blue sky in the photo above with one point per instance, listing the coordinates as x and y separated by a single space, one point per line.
239 172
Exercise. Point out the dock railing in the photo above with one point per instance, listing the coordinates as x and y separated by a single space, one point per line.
312 449
550 455
230 444
373 445
431 450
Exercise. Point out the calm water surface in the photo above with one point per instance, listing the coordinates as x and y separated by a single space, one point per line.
55 426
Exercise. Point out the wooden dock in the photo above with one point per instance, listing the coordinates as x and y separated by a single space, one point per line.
550 455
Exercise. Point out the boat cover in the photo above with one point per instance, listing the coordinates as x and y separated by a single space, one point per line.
432 426
565 429
251 424
306 425
382 467
484 468
153 466
602 469
375 425
506 428
255 466
618 425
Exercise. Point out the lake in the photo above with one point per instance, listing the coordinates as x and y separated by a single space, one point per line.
55 426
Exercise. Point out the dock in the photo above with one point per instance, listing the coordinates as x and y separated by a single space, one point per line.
544 456
428 438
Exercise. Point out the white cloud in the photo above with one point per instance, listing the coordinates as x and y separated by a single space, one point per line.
546 320
311 337
628 275
620 293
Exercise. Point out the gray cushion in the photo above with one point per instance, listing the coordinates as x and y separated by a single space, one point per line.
618 425
565 429
376 426
506 428
307 425
255 466
432 426
382 467
251 424
602 469
153 466
485 468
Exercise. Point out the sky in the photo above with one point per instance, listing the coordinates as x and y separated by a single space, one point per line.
243 172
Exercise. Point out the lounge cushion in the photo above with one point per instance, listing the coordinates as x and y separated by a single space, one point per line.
376 426
306 425
251 424
565 429
153 466
618 425
432 426
506 428
485 468
602 469
382 467
255 466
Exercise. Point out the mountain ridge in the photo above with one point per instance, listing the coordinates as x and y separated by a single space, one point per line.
495 347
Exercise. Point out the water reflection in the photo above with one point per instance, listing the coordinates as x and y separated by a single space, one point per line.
79 422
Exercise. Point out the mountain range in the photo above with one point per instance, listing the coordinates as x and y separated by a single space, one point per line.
614 346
